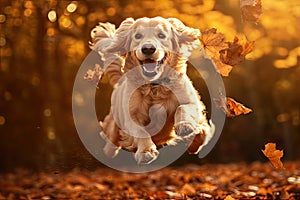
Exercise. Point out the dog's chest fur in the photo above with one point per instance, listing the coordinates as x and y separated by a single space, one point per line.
153 95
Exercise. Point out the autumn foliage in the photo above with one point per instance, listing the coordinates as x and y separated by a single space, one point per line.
219 181
273 155
223 54
251 10
213 43
230 107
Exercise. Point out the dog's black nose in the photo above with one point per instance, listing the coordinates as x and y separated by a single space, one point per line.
148 49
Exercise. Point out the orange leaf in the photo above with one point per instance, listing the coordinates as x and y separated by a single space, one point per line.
251 10
237 108
230 107
229 198
187 189
236 51
94 75
273 155
213 43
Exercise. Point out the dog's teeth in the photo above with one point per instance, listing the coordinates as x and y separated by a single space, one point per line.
151 67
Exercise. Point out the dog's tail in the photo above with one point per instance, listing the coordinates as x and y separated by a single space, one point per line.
102 37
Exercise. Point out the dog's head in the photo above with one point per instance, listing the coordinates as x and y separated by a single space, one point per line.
154 43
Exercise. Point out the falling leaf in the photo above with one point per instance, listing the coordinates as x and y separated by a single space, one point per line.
223 54
237 108
213 43
236 51
94 75
251 10
273 155
230 107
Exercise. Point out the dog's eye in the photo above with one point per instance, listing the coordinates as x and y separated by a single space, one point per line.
161 35
138 36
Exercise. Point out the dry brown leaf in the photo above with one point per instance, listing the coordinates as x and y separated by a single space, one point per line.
237 108
94 75
187 189
273 155
251 10
213 43
229 198
236 51
285 195
231 107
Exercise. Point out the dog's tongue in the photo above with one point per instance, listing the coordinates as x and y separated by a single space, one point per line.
149 65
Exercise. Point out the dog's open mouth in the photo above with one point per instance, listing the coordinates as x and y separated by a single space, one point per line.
151 67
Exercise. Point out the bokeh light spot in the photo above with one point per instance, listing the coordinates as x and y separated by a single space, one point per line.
28 4
47 112
111 11
51 134
50 32
2 18
79 99
72 7
2 120
52 16
7 96
282 51
80 21
283 117
2 41
35 80
283 84
65 22
27 12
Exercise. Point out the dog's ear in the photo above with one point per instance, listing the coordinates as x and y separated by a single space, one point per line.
102 36
187 38
120 43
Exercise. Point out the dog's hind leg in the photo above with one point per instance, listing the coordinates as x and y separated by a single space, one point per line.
203 135
187 118
192 125
110 133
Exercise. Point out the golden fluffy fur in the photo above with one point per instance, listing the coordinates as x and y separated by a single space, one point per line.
145 60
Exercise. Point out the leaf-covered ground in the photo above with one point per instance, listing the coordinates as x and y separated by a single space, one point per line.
210 181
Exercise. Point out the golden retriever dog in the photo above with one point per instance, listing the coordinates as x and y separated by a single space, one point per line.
153 102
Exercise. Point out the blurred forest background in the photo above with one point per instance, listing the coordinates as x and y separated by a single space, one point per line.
43 43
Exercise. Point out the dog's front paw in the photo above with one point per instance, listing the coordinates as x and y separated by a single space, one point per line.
146 157
184 129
